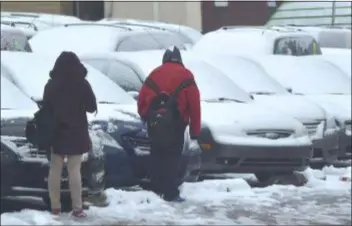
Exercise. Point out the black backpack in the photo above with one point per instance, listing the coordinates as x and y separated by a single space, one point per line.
163 119
41 130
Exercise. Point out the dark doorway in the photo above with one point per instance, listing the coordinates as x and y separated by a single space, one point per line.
88 10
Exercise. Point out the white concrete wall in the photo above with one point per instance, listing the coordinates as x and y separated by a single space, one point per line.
185 13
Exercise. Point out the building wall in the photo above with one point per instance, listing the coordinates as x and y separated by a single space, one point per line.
236 13
186 13
29 6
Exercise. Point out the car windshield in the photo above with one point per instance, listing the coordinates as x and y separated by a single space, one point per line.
307 75
247 74
12 97
32 72
214 85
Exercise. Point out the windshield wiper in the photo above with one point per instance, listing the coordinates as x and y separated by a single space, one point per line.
262 93
107 102
219 99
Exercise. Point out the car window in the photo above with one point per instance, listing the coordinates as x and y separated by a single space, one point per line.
13 41
213 84
100 65
124 76
297 46
150 41
247 74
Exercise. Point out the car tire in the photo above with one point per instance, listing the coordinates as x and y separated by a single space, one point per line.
265 178
292 178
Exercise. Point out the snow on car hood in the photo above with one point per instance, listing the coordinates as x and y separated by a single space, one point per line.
335 105
246 116
125 112
295 106
9 114
229 122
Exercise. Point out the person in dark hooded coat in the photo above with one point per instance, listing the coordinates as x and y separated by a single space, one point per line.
70 96
165 159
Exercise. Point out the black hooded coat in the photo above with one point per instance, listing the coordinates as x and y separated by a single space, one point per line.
71 96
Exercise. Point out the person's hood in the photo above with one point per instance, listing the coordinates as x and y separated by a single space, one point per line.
172 55
68 66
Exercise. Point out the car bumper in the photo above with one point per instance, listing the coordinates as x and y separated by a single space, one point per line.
252 159
344 146
326 150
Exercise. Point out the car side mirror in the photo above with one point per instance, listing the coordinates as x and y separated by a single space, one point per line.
289 90
133 94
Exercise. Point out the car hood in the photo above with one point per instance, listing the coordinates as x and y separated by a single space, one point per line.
338 106
298 107
9 114
247 116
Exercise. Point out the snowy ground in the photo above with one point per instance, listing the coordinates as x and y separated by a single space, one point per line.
225 202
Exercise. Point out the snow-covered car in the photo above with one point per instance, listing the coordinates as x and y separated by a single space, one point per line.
327 37
187 34
117 116
82 38
28 28
340 58
24 168
13 39
318 81
267 41
237 134
41 21
251 77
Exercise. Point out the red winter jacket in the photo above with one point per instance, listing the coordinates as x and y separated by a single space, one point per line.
167 77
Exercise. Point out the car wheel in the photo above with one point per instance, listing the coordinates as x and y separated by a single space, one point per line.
265 178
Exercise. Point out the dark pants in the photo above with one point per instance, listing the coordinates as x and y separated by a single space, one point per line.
165 162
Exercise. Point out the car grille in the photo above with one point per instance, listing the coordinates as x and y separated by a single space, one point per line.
271 134
312 127
348 125
140 143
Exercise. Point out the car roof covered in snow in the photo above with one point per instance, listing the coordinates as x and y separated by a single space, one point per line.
211 81
191 34
47 17
243 40
343 61
307 75
245 72
31 72
89 37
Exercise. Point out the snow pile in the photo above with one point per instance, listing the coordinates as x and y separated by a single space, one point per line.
215 202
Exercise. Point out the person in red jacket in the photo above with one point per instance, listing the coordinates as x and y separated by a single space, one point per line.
170 82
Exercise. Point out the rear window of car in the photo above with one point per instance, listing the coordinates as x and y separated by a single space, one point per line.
150 41
14 41
297 46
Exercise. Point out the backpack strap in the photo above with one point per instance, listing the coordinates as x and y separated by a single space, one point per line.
151 84
182 86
